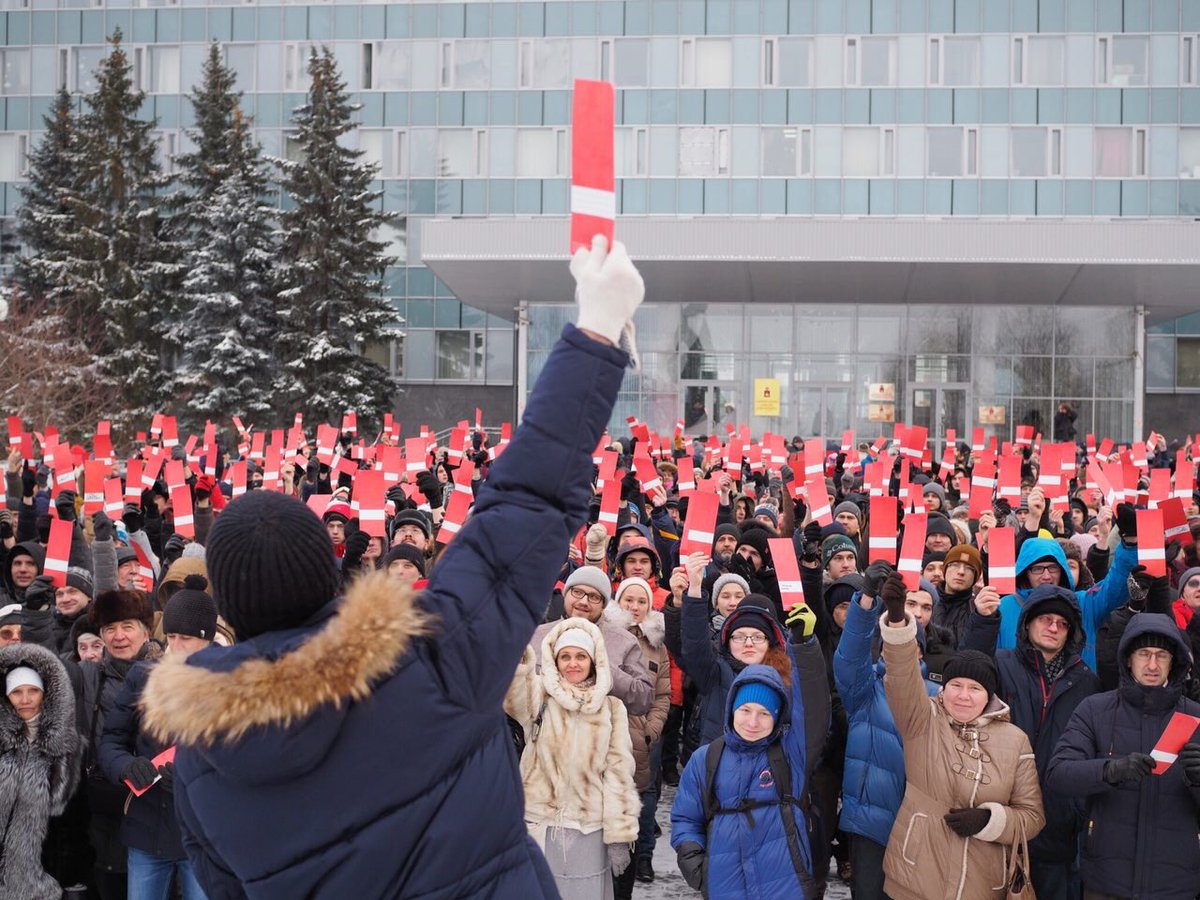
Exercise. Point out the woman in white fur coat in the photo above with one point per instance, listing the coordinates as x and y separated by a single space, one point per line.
577 769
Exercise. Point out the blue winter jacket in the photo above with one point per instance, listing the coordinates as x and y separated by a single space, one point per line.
746 853
1096 604
1142 839
1042 710
873 783
365 754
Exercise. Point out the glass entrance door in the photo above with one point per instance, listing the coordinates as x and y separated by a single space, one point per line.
939 407
708 406
822 410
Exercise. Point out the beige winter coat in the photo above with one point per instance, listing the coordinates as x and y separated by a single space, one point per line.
577 767
987 763
645 730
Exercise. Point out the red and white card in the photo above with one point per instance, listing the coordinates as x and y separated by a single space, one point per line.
701 524
647 473
881 539
95 472
369 489
593 185
912 549
1002 560
181 507
685 480
818 499
455 518
1178 732
58 551
787 569
1175 522
1151 546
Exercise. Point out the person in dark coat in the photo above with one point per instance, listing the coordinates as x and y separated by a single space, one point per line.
51 626
124 619
962 569
1064 423
358 749
1141 837
149 828
1043 681
39 765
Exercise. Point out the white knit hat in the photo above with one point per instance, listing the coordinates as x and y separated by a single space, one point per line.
634 581
20 677
575 637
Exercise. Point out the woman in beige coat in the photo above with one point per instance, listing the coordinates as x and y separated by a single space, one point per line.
581 805
971 785
632 609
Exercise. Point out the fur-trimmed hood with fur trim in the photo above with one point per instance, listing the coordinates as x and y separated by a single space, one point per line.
645 730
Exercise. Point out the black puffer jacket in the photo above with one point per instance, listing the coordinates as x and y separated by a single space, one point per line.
1141 839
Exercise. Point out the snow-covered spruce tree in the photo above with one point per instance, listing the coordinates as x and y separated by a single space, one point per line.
43 222
331 302
227 297
119 262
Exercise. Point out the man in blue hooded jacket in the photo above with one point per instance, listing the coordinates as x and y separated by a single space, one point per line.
359 749
1041 561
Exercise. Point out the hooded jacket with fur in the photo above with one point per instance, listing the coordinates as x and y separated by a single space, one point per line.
577 768
645 730
36 778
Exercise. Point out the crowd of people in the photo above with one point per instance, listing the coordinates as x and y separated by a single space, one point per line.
294 704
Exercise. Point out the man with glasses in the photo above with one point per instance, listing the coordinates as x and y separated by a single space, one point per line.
1141 827
585 595
1043 681
1041 561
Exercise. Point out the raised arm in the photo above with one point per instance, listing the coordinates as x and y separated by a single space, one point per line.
853 674
491 584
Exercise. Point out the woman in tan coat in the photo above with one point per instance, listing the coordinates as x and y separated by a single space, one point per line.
581 805
971 787
632 609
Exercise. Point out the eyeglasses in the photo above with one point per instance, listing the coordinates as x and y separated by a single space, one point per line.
591 598
752 639
1057 622
1037 570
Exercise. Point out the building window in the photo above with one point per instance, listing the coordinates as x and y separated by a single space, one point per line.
295 66
868 152
1189 59
14 72
386 65
631 151
1036 152
794 62
1187 362
631 62
1189 152
871 61
786 152
954 61
542 152
703 151
952 152
77 68
545 64
460 355
706 62
1120 152
14 156
1121 60
1039 60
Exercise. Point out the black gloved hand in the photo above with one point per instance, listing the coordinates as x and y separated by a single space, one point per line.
167 771
967 821
40 593
1133 767
149 506
812 533
396 494
1126 520
28 481
631 488
6 529
313 470
894 594
133 518
140 772
876 574
65 504
173 548
103 528
356 545
739 565
479 458
428 485
1189 759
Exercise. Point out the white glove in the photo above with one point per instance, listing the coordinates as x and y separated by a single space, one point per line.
619 855
597 537
609 290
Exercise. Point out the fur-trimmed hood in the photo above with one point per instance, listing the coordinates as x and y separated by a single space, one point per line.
56 735
575 697
241 701
653 628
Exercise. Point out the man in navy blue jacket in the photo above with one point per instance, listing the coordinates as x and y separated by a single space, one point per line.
358 749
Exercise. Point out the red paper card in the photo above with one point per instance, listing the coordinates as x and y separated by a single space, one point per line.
94 474
983 481
114 502
1185 480
15 430
685 480
647 474
1175 523
414 455
1151 546
369 488
456 517
167 756
593 197
237 478
181 506
1160 486
701 523
912 549
1010 477
1002 560
787 569
1177 733
882 537
818 499
58 551
318 503
610 503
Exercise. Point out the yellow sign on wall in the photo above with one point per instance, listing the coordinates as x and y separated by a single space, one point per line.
766 396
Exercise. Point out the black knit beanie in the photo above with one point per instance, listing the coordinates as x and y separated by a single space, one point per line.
409 552
1152 639
270 562
191 611
974 665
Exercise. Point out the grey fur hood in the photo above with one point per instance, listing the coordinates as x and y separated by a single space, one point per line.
653 627
56 727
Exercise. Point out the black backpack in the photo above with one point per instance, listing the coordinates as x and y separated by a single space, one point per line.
781 772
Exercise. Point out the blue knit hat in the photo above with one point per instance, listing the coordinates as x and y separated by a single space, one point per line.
757 692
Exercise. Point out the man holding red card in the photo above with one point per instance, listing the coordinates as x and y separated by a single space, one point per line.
386 704
1141 839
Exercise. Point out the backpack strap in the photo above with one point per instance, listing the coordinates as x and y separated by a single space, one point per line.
781 771
711 761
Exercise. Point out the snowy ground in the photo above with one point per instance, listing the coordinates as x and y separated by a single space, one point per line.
669 884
